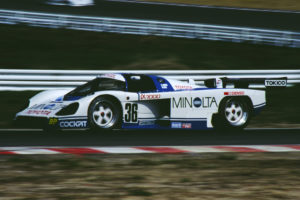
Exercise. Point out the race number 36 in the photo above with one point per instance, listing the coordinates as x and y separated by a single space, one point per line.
131 112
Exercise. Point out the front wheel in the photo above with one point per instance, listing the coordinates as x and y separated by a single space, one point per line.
234 114
104 113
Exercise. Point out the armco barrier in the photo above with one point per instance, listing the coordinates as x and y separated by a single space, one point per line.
149 27
19 80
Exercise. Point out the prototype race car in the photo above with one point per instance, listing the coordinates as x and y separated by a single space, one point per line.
138 101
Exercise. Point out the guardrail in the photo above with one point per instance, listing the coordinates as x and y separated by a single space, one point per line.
149 27
20 80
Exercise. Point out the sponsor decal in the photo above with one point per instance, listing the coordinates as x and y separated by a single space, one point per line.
186 125
44 109
197 102
208 102
149 96
38 112
53 121
185 102
164 86
235 93
52 106
182 102
183 87
181 125
148 122
73 124
176 125
276 83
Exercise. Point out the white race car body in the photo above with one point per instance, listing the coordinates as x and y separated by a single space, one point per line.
146 101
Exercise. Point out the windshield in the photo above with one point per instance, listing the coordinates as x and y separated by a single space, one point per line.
98 84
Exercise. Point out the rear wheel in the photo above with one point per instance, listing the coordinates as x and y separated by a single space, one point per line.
234 114
104 113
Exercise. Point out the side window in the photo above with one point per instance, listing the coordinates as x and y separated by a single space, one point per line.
109 84
141 83
105 84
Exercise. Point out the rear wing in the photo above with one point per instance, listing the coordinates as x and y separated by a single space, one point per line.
246 82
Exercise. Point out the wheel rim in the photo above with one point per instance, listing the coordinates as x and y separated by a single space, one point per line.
235 113
103 115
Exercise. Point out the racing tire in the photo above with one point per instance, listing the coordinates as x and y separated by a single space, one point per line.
234 114
104 114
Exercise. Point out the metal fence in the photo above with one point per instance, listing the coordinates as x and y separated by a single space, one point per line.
19 80
149 27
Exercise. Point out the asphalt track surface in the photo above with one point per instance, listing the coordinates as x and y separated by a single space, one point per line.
148 138
217 16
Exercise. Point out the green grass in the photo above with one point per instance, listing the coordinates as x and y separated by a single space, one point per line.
25 47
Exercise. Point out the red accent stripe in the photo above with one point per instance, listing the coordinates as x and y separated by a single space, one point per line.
7 153
162 149
297 147
238 149
76 150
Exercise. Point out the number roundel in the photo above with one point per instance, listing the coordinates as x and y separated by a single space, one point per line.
131 112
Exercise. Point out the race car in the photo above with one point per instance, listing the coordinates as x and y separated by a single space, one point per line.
141 101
